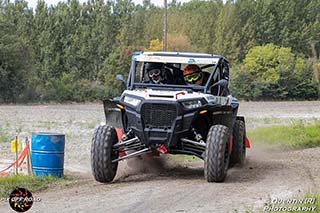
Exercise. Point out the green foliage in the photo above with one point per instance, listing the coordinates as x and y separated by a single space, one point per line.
14 62
67 88
227 37
155 45
297 136
73 51
117 63
273 72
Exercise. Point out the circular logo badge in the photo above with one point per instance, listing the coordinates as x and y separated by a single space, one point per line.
20 200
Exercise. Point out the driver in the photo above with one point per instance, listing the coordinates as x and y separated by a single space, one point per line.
155 73
193 75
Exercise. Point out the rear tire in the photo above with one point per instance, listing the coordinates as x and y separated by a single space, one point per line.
238 153
216 160
102 154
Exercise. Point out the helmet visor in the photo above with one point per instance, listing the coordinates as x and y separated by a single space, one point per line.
154 72
192 78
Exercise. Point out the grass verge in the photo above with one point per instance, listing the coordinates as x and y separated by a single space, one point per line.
296 136
32 183
316 199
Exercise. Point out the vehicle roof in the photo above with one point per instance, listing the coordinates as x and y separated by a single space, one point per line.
177 57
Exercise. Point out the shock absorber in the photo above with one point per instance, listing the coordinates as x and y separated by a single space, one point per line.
126 135
197 136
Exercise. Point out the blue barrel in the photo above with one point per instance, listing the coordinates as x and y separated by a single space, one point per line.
47 154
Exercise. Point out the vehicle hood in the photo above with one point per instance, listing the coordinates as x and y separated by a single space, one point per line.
152 94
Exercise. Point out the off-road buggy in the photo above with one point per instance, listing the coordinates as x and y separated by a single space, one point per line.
175 118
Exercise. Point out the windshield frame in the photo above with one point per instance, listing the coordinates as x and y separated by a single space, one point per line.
131 84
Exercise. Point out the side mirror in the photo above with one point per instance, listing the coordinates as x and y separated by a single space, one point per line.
222 82
119 77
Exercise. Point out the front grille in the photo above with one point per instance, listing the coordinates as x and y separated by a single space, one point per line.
158 115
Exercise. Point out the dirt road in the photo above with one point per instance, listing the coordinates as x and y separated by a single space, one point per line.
167 186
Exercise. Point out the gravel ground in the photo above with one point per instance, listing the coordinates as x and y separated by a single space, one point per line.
169 187
77 122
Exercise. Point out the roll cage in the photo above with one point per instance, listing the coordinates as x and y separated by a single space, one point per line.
174 60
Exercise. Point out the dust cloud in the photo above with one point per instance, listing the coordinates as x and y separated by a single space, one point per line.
144 165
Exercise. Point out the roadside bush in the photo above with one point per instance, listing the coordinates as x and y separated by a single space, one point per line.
69 88
273 72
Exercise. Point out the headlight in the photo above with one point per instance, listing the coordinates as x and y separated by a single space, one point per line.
132 101
192 104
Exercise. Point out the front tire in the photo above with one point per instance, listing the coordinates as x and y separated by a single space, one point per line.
102 154
217 154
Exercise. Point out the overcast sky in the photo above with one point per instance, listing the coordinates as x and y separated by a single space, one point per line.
33 3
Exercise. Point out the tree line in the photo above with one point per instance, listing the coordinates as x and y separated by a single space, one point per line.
72 51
